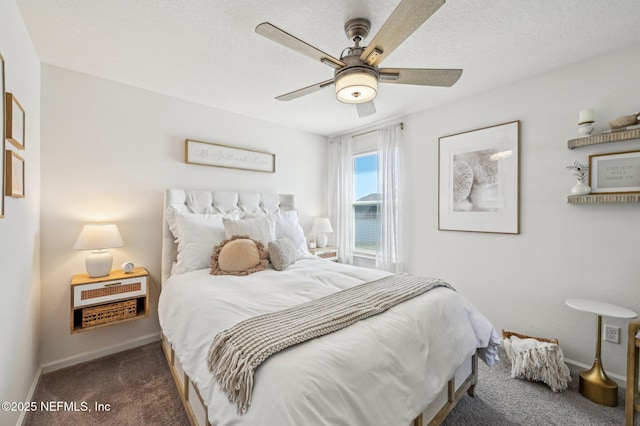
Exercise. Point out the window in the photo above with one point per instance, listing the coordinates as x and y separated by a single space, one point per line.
365 203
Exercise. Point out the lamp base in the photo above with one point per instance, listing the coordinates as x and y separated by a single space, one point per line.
321 240
99 263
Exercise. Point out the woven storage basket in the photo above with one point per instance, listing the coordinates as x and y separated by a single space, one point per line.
507 334
109 313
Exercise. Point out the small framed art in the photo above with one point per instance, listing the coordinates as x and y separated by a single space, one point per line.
479 179
617 172
212 154
14 167
2 134
15 121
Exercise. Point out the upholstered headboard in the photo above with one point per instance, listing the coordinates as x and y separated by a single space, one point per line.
206 201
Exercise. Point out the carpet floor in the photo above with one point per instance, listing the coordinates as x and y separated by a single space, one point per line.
139 390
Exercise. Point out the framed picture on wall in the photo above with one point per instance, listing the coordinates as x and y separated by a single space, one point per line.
14 168
2 127
231 157
617 172
15 121
479 179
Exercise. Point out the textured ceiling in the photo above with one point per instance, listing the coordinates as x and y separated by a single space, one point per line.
206 51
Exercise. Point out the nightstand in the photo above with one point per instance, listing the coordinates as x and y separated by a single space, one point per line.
329 253
103 301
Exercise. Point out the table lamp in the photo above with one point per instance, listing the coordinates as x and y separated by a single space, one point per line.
321 226
99 237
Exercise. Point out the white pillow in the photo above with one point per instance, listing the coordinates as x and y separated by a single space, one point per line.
197 234
262 229
287 225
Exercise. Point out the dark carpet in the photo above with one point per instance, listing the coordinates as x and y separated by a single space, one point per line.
139 390
136 384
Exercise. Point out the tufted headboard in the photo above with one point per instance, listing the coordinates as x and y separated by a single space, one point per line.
207 201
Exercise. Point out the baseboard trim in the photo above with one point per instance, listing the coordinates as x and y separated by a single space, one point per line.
88 356
577 367
32 390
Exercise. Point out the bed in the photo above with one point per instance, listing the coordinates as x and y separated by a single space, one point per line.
408 365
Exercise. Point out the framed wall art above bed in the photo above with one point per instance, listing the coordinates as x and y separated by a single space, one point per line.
213 154
479 180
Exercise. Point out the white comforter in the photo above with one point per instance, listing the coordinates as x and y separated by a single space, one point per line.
380 371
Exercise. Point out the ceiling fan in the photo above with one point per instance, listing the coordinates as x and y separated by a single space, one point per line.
357 72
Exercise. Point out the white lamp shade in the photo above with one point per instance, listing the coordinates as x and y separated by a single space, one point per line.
322 224
356 87
99 236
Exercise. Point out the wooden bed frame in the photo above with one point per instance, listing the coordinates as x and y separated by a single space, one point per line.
201 201
435 413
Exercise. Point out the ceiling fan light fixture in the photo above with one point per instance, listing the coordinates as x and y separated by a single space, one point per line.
356 86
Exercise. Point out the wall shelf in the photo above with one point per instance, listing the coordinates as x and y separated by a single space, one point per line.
606 138
604 198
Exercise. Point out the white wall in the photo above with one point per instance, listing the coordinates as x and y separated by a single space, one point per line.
110 150
563 251
20 228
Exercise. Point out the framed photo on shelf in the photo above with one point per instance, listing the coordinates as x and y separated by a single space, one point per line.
212 154
2 134
617 172
15 121
14 167
479 180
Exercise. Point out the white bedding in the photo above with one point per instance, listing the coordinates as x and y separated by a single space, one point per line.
380 371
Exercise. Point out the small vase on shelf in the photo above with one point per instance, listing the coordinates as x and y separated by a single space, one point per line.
580 188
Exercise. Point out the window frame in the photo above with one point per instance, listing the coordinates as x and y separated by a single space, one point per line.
359 252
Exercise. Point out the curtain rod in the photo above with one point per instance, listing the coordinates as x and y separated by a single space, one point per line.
375 130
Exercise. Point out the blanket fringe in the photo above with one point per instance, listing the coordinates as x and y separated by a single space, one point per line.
543 362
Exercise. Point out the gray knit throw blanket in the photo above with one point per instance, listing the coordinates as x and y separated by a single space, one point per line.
236 353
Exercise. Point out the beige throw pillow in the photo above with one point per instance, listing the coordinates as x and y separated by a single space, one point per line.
238 255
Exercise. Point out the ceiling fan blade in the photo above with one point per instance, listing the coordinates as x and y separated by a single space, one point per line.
404 20
305 90
420 76
366 109
274 33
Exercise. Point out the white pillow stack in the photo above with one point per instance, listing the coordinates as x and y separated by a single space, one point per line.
197 234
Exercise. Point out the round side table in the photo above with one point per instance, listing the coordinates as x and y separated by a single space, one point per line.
594 383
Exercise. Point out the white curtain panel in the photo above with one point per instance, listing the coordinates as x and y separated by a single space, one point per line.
388 256
341 194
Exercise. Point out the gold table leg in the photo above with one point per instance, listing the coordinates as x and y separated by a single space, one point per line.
594 383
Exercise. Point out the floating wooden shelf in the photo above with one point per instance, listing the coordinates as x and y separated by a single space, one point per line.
606 138
604 198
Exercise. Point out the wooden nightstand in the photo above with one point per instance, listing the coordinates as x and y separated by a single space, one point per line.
103 301
329 253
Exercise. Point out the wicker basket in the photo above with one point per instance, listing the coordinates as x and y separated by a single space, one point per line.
507 334
109 313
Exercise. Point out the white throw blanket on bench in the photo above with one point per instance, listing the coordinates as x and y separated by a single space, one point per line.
236 353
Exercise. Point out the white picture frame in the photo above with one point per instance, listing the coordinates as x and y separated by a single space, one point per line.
479 180
213 154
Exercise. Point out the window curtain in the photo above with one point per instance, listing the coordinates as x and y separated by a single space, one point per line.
341 194
388 252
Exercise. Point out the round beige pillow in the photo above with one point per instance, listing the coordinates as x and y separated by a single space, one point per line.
239 255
